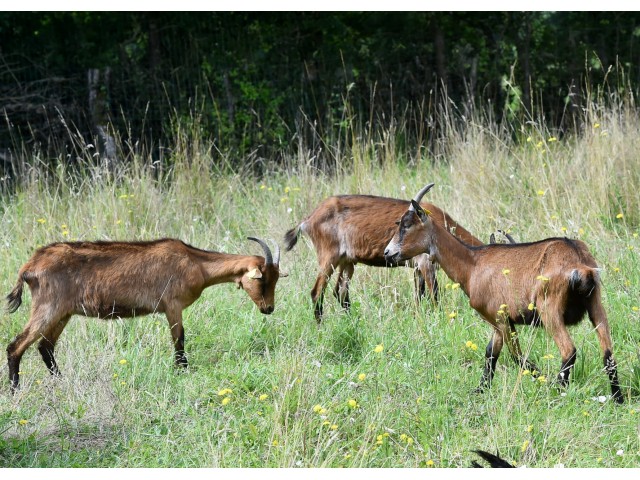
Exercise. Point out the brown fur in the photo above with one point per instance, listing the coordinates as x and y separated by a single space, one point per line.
350 229
125 279
557 275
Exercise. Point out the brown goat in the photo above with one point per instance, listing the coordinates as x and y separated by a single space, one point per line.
127 279
350 229
553 282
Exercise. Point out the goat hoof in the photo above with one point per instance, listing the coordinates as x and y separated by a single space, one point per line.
618 398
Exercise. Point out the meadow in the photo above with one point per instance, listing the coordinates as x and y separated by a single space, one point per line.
388 385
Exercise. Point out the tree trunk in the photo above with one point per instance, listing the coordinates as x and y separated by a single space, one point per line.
98 83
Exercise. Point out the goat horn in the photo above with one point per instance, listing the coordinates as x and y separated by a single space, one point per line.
277 254
420 194
267 253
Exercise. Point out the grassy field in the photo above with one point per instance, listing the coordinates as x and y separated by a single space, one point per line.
389 385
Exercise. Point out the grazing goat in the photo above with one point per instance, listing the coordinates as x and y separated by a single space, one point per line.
350 229
127 279
553 282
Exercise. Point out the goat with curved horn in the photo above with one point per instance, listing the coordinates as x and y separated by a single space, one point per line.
103 279
552 282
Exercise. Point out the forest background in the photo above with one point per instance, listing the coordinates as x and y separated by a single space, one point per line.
260 83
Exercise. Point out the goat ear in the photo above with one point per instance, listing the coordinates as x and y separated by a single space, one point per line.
255 273
422 214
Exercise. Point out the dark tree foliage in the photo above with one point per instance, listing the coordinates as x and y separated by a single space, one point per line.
260 81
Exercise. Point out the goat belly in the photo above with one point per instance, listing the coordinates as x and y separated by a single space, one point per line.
112 311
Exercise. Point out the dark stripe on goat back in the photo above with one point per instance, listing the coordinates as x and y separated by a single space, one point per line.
567 241
117 245
106 244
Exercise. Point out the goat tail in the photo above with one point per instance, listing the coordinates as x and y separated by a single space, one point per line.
584 280
291 237
14 299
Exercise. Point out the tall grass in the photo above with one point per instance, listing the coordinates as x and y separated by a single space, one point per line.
385 386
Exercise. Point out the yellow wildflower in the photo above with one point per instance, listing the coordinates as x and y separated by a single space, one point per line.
287 189
122 362
553 139
352 403
548 356
454 286
541 193
529 428
453 315
430 463
23 421
326 423
596 125
526 372
347 455
225 391
334 427
525 444
317 408
274 443
263 397
542 379
529 139
531 306
619 216
379 348
226 400
506 271
362 376
41 221
262 187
